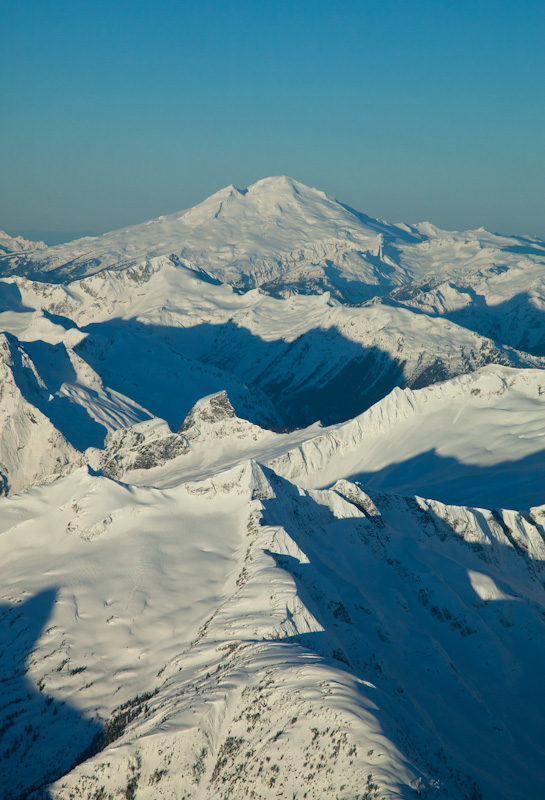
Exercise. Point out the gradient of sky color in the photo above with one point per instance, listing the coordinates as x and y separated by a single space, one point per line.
116 112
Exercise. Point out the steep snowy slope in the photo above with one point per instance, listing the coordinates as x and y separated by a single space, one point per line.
479 439
31 448
52 407
208 641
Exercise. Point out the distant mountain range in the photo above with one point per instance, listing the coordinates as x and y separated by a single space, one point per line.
273 512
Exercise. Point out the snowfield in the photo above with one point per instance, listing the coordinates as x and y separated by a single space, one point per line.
272 521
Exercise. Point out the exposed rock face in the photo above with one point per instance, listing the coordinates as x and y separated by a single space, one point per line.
142 447
210 424
210 410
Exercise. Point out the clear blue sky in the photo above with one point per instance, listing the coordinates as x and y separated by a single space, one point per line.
116 112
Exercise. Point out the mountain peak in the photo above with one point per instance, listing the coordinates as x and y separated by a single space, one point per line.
283 185
276 182
213 408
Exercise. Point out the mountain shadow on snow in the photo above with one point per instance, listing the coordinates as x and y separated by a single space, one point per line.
11 299
508 484
517 322
41 735
321 375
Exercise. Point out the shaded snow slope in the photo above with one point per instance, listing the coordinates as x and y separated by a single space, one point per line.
52 407
31 448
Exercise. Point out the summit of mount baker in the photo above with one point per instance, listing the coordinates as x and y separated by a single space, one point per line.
281 236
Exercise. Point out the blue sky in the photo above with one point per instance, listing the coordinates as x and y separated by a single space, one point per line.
116 112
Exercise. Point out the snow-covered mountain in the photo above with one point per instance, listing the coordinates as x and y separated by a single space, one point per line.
17 244
283 361
220 577
276 233
493 285
287 238
208 639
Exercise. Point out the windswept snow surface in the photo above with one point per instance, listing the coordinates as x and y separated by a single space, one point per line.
272 508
